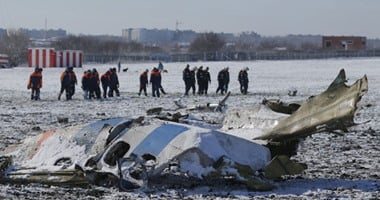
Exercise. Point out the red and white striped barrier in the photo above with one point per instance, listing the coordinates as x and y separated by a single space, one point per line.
69 58
48 57
41 57
4 61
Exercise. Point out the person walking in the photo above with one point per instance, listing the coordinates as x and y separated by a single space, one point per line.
155 80
186 77
226 79
143 82
114 83
68 82
221 81
35 83
86 83
105 79
243 80
94 84
206 80
200 80
192 79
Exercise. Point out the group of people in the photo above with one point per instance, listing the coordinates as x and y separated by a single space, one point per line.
199 75
110 82
91 84
155 81
202 77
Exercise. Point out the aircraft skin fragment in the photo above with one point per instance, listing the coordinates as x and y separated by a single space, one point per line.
335 105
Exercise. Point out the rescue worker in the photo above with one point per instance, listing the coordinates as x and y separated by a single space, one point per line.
192 79
68 82
114 83
94 84
143 82
226 79
86 83
221 80
105 79
35 83
161 69
200 78
206 80
186 76
160 66
243 80
155 80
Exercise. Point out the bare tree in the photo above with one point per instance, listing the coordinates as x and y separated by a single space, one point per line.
207 42
15 44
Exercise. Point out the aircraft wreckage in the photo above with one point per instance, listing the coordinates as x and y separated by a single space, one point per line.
137 153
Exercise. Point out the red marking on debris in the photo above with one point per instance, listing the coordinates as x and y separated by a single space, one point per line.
42 139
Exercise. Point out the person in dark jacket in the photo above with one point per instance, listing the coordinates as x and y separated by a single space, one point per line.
206 80
226 79
94 84
186 76
221 81
105 79
243 80
155 80
86 83
143 82
200 80
68 82
192 79
35 83
114 83
161 69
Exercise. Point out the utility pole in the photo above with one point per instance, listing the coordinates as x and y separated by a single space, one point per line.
45 32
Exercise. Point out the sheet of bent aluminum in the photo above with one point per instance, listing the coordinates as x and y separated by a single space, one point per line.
334 107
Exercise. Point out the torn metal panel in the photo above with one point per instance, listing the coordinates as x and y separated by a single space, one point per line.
334 107
281 165
331 110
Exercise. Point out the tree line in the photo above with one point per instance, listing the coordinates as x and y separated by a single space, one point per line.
15 43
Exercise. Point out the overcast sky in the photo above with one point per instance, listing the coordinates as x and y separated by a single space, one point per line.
266 17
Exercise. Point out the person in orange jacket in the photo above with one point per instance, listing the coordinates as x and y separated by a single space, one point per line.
155 80
94 84
85 83
105 79
114 83
35 83
68 82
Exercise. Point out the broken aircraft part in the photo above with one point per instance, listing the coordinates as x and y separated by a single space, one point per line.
81 155
221 106
332 109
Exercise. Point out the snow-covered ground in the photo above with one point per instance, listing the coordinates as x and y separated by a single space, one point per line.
345 166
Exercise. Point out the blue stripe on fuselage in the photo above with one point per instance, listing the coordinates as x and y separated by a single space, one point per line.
158 139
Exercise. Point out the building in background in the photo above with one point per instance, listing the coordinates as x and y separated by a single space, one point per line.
344 42
158 36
